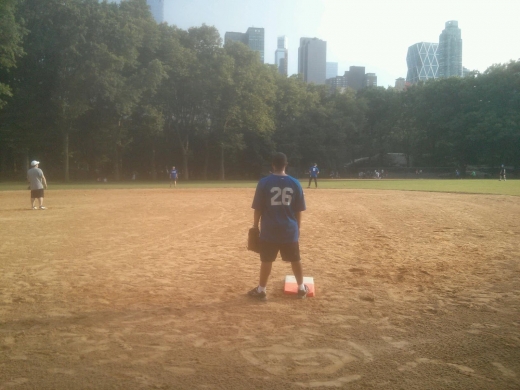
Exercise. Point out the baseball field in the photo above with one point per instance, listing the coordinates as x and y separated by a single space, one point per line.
145 288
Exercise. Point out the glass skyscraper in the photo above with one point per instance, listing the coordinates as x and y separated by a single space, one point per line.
157 8
422 62
450 51
332 70
281 55
312 60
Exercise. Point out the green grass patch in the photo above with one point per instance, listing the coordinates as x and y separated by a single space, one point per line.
474 186
511 187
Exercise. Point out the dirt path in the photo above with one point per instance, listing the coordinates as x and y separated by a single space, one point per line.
138 289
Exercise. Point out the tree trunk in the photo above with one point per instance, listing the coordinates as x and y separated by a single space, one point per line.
222 172
206 162
184 149
66 154
116 163
154 171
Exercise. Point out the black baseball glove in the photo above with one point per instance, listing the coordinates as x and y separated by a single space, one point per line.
253 240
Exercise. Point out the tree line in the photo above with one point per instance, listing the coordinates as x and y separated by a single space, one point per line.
99 89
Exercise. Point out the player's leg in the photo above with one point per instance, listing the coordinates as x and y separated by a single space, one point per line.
310 181
316 182
265 271
291 252
268 253
32 202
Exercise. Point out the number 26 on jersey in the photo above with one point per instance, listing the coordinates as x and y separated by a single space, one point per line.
281 196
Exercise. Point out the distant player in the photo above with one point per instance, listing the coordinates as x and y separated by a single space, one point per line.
37 183
313 174
278 203
173 177
502 173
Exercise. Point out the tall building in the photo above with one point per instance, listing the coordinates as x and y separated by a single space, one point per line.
157 8
281 56
450 50
422 61
253 37
356 77
312 59
332 70
370 80
400 84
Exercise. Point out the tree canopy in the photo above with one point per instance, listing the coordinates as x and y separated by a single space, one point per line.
98 89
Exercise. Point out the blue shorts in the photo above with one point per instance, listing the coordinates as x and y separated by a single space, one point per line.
289 251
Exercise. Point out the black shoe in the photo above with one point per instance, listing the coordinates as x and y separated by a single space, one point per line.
262 296
302 294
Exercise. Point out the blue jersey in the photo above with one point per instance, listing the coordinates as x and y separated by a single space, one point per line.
314 171
279 198
173 174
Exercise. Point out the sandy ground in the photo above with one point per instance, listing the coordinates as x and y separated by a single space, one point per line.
145 289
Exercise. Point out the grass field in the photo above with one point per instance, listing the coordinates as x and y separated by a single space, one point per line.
511 187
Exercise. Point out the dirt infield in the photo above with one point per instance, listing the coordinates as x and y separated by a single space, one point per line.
139 289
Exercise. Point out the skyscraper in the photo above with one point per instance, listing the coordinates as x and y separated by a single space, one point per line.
312 59
281 55
422 61
254 38
450 50
332 70
157 8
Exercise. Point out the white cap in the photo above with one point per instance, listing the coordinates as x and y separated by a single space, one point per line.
34 162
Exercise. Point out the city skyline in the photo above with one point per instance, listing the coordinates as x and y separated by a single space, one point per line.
379 42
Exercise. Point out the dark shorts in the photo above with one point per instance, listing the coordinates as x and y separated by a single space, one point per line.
37 193
289 251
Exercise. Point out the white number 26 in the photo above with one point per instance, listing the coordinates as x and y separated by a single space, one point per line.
281 197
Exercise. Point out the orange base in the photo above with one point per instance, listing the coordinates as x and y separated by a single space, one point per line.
291 287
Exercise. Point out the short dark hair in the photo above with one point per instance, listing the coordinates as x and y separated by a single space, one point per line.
279 160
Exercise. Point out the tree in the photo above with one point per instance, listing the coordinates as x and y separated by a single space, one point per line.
11 36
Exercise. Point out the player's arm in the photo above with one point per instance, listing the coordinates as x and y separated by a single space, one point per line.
44 181
298 216
256 218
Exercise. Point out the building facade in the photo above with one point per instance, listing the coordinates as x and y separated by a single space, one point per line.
281 56
332 70
370 80
254 38
450 50
355 76
312 60
422 62
400 84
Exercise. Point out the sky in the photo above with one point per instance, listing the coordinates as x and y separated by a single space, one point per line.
375 34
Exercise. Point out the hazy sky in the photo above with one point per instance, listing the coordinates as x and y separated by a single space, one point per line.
371 33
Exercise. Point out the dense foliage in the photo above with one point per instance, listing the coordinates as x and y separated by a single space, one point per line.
100 90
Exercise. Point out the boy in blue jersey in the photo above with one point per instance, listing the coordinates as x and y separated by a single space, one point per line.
173 177
278 203
313 174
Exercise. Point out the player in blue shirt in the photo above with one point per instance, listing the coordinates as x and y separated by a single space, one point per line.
173 177
313 174
278 203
